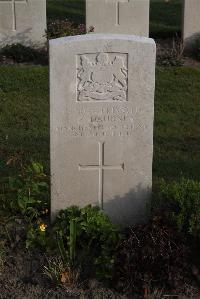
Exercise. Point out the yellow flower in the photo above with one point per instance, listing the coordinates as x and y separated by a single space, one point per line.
43 227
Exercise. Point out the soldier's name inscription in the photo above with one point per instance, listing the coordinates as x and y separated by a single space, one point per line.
117 120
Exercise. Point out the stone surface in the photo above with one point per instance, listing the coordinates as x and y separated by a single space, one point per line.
191 21
102 99
118 16
23 21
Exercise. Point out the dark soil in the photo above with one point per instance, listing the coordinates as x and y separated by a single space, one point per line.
154 261
21 277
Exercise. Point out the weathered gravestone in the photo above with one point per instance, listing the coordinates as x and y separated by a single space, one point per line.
191 22
23 21
102 100
118 16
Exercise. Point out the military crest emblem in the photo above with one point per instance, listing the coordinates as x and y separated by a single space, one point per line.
102 77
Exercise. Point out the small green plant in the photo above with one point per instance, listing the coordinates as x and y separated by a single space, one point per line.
87 237
26 194
68 256
63 268
82 238
22 54
37 236
179 203
53 269
59 273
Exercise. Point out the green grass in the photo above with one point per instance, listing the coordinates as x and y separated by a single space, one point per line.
177 123
24 113
165 17
73 10
24 118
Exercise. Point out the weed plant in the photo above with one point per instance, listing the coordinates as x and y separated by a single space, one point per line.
87 237
62 28
26 193
179 204
174 55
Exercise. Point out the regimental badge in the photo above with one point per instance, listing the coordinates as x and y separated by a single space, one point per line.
102 77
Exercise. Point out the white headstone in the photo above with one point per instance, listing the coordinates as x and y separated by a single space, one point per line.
102 107
118 16
191 21
23 21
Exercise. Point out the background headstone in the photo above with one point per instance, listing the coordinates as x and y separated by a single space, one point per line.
118 16
191 21
23 21
102 103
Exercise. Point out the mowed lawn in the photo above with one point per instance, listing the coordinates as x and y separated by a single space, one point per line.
165 16
73 10
24 113
24 119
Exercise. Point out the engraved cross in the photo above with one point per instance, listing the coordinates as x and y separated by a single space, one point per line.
13 5
101 167
118 9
